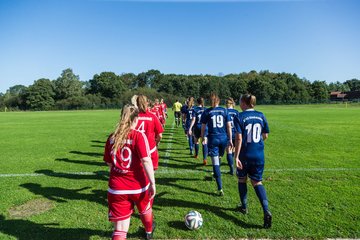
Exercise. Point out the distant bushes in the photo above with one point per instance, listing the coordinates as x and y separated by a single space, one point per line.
108 90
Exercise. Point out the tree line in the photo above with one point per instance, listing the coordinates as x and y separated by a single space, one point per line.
109 90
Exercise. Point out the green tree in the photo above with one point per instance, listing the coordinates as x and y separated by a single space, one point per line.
68 85
107 84
320 91
354 84
39 96
338 87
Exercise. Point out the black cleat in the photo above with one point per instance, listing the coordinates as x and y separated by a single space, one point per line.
267 219
242 209
149 236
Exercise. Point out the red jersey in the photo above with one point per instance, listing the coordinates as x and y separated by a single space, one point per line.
159 111
149 124
163 106
127 176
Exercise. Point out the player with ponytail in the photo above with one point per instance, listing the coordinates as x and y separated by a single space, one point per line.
149 124
195 129
188 119
131 180
218 122
252 130
230 104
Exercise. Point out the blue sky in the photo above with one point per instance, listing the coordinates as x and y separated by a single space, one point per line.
316 39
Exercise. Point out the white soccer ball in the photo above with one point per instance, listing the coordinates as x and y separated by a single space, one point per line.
193 220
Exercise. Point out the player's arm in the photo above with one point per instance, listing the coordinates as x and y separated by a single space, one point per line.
265 136
238 142
158 138
107 153
229 133
149 170
203 128
192 125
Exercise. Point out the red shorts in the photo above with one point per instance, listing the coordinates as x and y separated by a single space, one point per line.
162 120
121 206
155 159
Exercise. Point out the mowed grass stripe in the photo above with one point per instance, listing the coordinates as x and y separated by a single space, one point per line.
166 171
311 178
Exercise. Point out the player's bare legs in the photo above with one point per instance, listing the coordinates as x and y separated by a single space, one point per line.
120 229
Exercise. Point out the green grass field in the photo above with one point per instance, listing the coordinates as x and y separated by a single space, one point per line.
53 182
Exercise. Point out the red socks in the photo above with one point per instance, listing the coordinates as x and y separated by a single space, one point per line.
119 235
147 220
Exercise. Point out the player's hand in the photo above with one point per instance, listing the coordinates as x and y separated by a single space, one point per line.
230 144
239 164
190 132
152 190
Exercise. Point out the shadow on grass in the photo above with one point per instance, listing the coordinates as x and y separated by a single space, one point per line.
218 211
90 154
165 181
25 230
98 175
62 195
97 141
85 162
178 225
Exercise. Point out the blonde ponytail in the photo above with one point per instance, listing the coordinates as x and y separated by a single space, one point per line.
142 103
128 115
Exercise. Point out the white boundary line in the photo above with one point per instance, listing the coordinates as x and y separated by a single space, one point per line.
167 171
168 150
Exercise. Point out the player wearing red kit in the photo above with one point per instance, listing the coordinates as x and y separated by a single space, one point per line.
164 107
150 125
131 180
158 108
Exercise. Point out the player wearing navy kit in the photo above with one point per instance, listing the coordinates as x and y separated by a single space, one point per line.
218 122
195 129
183 114
230 104
251 131
188 119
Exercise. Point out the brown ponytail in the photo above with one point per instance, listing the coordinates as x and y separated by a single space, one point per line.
142 103
249 100
230 102
214 99
190 102
128 115
200 101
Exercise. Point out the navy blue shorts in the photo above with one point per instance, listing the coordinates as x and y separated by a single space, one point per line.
217 145
197 131
251 169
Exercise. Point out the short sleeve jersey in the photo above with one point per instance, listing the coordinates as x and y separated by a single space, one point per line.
197 112
177 107
189 113
164 107
251 124
232 112
184 109
127 173
149 124
216 120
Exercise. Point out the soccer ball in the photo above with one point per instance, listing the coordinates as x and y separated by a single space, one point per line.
193 220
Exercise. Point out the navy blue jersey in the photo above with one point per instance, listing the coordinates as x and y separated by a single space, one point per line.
184 109
189 113
198 111
216 120
251 125
232 112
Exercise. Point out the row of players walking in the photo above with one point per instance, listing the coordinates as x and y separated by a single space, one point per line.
131 153
241 135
